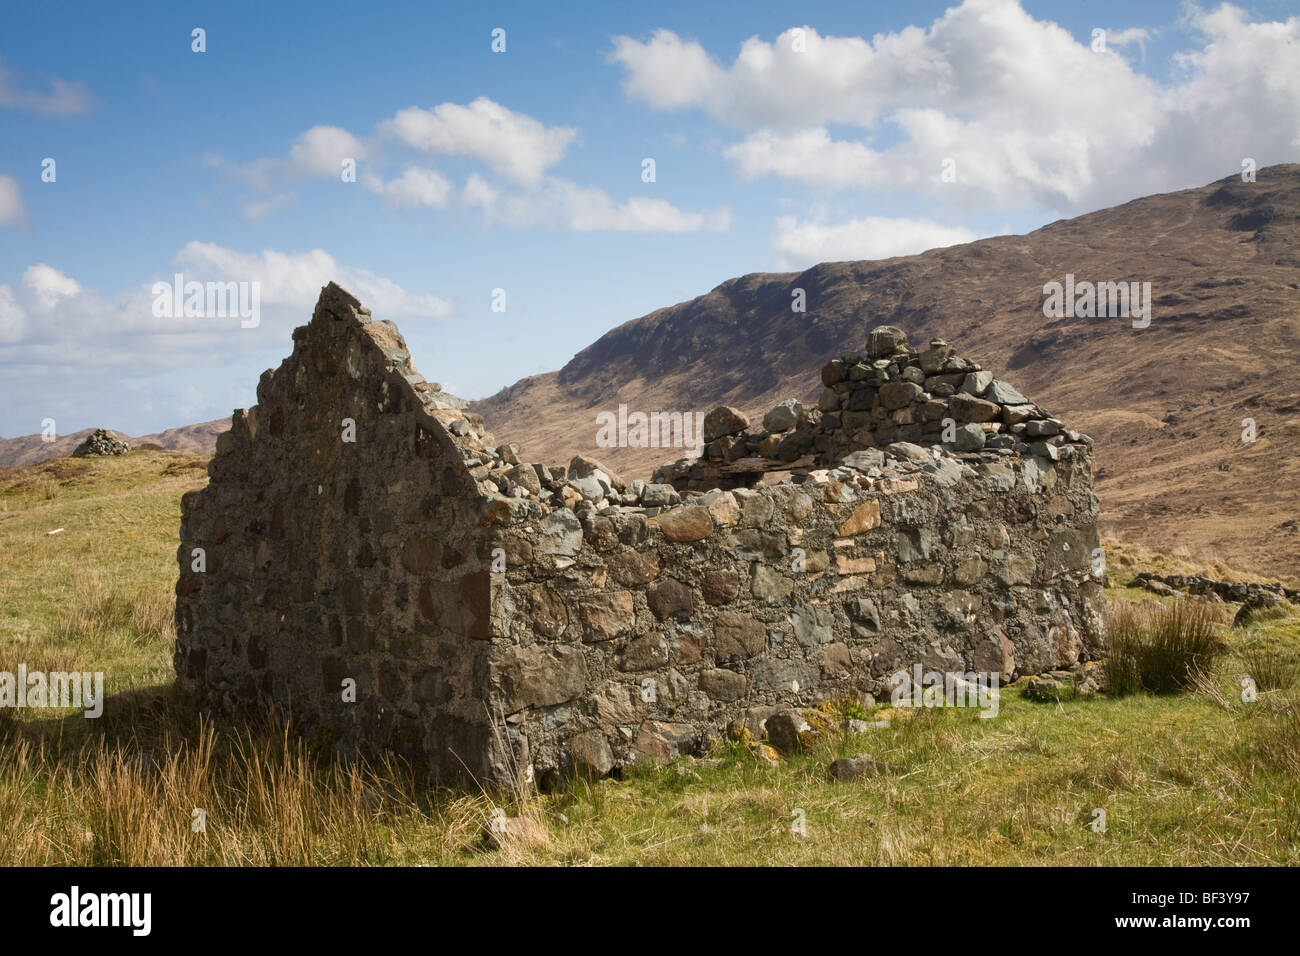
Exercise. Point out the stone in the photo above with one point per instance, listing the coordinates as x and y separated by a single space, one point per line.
722 684
720 587
970 437
1256 605
722 421
899 394
784 729
968 408
686 523
1015 414
784 416
526 477
812 624
737 636
605 616
591 488
591 755
885 340
1042 428
644 653
770 585
864 517
670 598
722 508
582 467
969 571
561 533
1004 394
533 677
662 743
658 495
101 443
976 383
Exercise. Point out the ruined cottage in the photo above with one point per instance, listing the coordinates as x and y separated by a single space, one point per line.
369 558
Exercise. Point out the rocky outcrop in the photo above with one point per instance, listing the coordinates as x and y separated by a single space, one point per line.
417 587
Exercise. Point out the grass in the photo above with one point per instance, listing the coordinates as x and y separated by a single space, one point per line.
1159 647
1198 776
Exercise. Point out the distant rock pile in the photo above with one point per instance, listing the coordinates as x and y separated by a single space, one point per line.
101 442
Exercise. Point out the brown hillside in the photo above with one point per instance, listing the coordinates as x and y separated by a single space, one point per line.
1164 403
200 439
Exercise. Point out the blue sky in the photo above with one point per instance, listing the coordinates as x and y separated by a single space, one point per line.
522 170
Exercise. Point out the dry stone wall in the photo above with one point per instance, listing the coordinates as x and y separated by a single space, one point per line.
508 619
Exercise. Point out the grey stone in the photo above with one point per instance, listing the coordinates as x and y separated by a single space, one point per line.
561 533
723 421
970 438
1004 394
784 416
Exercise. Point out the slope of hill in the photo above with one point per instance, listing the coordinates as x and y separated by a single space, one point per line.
200 439
1166 403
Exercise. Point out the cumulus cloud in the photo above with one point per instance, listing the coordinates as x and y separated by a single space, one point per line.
512 144
559 202
316 153
12 211
319 153
64 98
1025 112
802 244
47 309
295 279
415 187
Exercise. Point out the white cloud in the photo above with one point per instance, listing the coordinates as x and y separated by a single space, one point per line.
45 287
320 151
12 211
295 279
47 309
802 244
513 144
64 98
258 210
559 202
1027 112
415 187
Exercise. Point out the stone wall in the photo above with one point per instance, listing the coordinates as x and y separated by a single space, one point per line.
502 618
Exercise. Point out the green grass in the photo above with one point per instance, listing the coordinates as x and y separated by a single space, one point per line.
1196 777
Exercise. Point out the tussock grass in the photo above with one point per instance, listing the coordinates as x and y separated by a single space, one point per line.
1271 667
1157 647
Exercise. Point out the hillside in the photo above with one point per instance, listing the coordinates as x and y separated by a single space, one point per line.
200 439
1165 403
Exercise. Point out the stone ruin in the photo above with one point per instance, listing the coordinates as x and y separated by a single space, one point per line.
370 559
